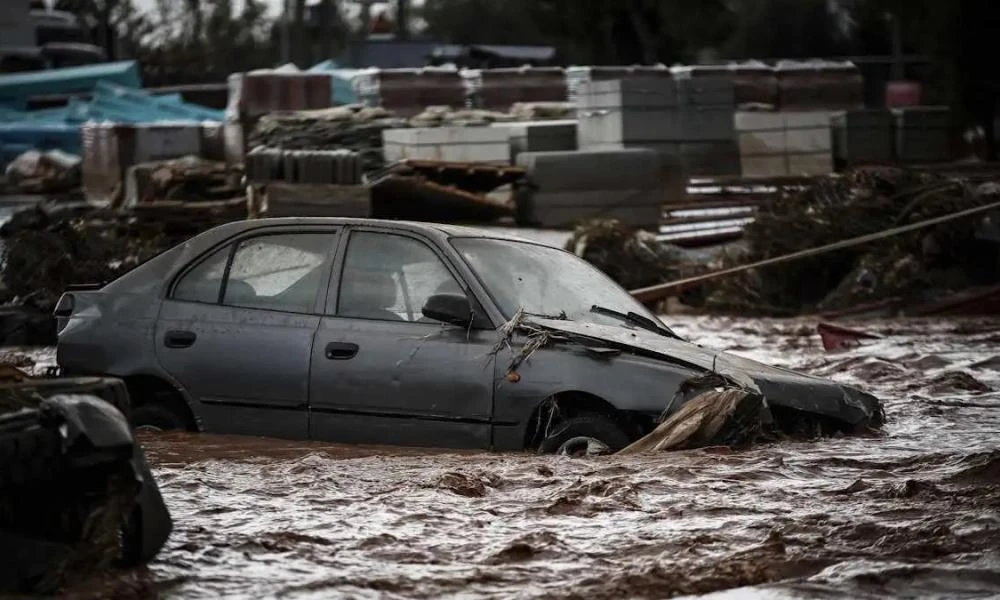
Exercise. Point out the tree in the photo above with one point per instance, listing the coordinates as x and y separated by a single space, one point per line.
785 29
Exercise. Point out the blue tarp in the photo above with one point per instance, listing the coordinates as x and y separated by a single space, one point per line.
16 88
341 80
17 138
59 128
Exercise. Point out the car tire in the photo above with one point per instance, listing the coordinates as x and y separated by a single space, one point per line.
573 434
156 417
111 390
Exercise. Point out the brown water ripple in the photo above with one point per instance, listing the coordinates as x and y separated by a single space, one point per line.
914 512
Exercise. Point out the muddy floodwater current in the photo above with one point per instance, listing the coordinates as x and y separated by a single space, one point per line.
914 512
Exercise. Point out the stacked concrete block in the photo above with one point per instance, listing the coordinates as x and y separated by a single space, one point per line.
109 149
755 85
922 133
499 89
451 144
774 144
689 119
630 185
341 167
255 94
407 92
862 136
629 112
540 136
761 140
576 77
808 142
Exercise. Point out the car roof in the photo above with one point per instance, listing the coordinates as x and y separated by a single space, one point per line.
435 229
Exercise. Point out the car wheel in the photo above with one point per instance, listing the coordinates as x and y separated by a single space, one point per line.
586 434
156 418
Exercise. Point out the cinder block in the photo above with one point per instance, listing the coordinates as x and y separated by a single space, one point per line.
706 123
862 136
764 166
649 93
810 164
540 136
922 133
452 144
807 131
610 169
758 121
707 91
761 143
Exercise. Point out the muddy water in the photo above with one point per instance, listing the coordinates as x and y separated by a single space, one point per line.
912 513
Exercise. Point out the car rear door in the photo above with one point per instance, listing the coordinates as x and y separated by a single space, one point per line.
384 374
236 329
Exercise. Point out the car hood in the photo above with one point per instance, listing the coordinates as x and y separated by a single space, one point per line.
778 386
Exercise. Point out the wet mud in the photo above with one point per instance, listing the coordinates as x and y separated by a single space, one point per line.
912 512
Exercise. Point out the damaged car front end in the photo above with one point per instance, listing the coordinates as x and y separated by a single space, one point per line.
616 362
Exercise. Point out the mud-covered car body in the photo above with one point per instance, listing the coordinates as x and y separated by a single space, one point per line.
346 353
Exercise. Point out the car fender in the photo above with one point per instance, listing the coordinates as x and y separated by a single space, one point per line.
626 381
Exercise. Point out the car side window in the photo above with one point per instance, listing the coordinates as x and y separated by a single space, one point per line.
279 272
390 277
203 282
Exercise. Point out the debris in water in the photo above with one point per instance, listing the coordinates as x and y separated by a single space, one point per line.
836 337
718 417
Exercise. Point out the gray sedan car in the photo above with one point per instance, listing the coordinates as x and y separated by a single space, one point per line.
366 331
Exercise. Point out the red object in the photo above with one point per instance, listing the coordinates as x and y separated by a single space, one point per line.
903 93
838 338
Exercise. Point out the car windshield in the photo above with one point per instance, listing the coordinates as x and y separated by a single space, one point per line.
545 281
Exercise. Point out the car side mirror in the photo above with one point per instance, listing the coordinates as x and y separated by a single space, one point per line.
453 309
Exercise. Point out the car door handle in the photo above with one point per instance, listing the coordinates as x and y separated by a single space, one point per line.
341 351
179 339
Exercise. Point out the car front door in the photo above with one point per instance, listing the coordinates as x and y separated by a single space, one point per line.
236 330
384 374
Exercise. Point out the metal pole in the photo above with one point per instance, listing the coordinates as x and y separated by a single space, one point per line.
896 39
286 32
402 19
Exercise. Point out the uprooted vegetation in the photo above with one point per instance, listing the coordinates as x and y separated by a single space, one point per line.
632 258
912 267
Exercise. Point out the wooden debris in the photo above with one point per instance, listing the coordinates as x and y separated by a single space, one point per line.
717 417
